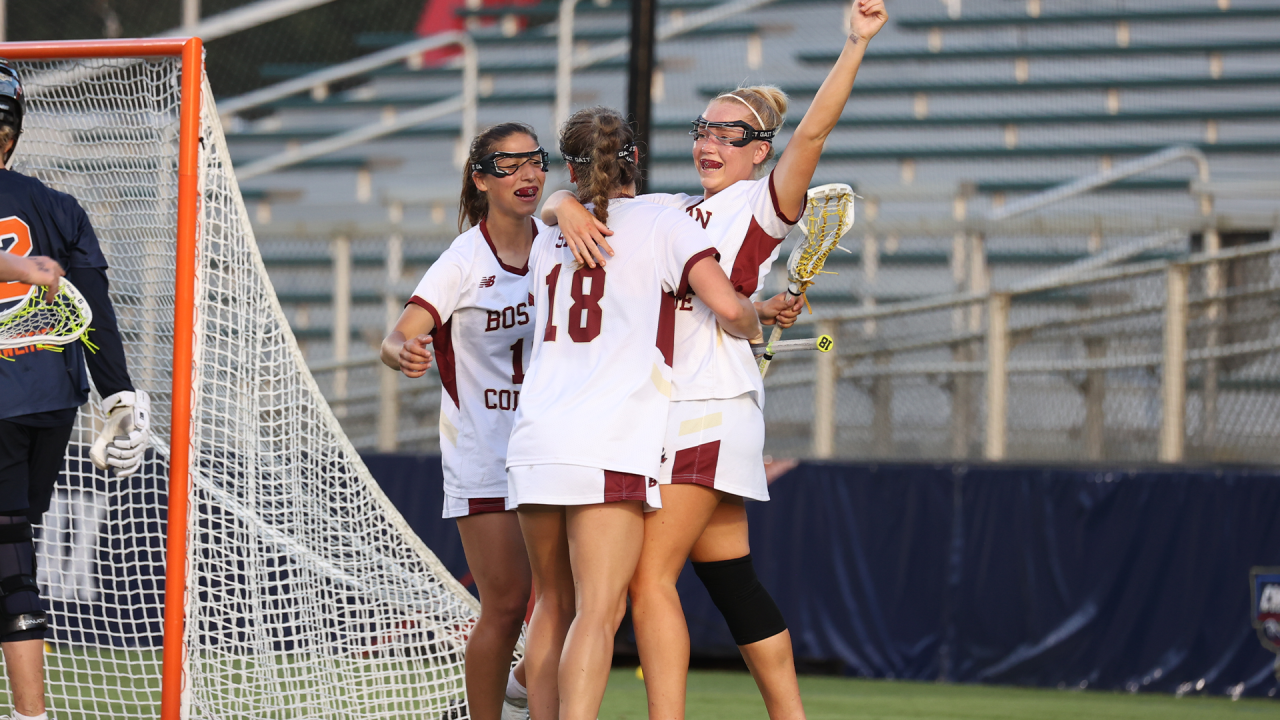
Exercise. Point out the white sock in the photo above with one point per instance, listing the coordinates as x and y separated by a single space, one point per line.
514 688
19 716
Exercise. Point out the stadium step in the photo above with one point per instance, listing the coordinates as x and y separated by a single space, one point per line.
1048 51
284 71
552 9
1055 85
999 152
535 36
995 20
339 101
1195 114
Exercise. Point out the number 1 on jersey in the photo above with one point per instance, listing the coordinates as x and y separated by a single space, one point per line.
553 278
517 362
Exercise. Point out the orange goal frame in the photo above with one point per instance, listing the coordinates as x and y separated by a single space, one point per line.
191 52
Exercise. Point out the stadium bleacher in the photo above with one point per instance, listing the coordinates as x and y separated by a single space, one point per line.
951 119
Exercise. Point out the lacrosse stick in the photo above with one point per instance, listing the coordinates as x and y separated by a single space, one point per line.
828 216
32 321
822 343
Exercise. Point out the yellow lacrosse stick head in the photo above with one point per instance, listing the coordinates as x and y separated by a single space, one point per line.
827 217
32 321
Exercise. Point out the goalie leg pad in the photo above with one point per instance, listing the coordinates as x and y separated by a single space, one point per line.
21 617
746 605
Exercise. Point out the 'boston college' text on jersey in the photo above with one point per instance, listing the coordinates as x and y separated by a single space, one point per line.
482 342
598 385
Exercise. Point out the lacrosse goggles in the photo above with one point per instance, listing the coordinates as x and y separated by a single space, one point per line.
502 164
704 128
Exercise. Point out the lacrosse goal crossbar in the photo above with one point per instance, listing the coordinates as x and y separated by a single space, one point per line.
284 566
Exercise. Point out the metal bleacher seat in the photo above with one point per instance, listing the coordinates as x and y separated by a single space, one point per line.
997 151
1013 86
344 101
1171 88
929 21
1051 51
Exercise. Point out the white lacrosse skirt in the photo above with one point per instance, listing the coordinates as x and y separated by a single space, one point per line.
553 484
717 444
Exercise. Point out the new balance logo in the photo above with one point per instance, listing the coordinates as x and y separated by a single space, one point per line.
488 282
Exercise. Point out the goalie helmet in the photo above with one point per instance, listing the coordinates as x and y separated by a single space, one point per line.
11 103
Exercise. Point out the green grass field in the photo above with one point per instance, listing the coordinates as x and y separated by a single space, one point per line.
733 696
80 677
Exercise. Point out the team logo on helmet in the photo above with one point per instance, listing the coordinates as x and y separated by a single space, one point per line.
1265 610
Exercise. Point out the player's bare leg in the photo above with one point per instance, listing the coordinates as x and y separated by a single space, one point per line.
662 637
24 664
543 527
771 661
604 547
499 563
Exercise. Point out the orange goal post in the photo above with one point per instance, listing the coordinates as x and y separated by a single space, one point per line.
252 568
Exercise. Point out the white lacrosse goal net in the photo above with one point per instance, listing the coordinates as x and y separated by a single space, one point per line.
307 595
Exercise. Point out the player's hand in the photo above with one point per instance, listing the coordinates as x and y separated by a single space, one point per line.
42 271
123 441
584 233
867 18
782 309
415 358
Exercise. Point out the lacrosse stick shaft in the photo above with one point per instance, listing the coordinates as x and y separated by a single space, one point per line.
820 344
767 357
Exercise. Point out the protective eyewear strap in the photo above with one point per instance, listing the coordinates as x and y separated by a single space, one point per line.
623 154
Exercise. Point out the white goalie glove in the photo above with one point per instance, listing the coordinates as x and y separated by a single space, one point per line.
123 441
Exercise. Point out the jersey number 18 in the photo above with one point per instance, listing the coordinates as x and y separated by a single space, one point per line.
585 312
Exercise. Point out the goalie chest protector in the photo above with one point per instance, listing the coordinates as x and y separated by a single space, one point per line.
36 220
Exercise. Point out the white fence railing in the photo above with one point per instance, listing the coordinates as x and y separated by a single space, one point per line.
1168 361
464 102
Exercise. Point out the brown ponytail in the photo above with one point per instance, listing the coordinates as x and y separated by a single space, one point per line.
591 141
474 205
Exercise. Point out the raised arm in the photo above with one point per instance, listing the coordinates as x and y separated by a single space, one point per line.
736 313
405 348
795 168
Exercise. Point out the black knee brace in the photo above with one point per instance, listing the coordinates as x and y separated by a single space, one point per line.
20 615
747 607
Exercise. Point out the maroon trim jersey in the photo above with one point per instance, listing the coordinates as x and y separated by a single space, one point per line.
599 380
747 227
482 340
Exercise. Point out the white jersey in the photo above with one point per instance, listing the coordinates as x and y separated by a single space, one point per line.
482 342
600 378
747 227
